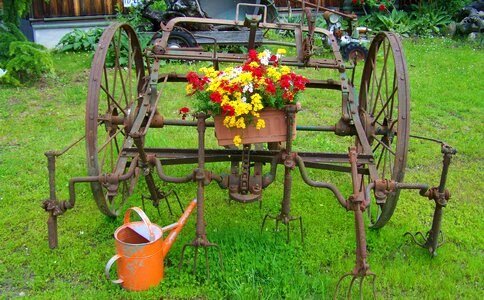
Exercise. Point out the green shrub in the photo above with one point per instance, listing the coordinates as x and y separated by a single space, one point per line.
22 60
430 20
452 6
8 33
396 21
80 40
27 61
423 20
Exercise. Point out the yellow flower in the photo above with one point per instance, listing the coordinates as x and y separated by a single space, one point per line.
245 78
237 140
241 108
260 124
256 102
254 64
229 121
240 123
272 72
225 99
285 70
210 72
281 51
189 88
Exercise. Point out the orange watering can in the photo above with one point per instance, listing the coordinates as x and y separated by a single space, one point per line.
141 250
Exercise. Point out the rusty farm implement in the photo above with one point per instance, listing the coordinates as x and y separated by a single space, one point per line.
127 99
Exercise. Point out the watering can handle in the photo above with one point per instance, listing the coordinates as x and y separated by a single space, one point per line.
143 217
108 267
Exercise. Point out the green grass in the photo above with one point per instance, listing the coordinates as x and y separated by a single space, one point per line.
446 103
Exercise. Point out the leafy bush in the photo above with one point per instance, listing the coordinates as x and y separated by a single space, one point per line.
8 33
452 6
396 21
423 20
80 40
27 61
20 59
430 20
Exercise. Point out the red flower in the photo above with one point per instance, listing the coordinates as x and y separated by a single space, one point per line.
256 72
300 82
183 111
285 82
289 96
197 83
216 97
274 60
252 55
381 7
271 89
362 2
227 110
354 1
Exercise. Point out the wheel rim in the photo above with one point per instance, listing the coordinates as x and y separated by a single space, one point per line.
385 111
115 81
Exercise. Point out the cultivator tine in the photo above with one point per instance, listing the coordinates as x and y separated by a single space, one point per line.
177 199
205 245
162 195
354 277
168 205
442 239
427 240
351 287
286 221
182 256
414 238
264 222
336 292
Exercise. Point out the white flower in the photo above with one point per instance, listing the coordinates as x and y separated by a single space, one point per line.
264 60
265 56
2 72
248 87
235 72
244 99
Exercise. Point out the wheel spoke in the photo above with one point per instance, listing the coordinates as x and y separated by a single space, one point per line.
110 138
383 144
387 53
112 99
385 105
106 85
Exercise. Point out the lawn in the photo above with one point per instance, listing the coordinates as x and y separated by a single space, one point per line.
446 103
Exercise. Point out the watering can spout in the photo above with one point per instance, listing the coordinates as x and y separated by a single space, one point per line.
176 228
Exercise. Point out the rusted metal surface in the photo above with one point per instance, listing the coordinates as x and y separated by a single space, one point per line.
378 118
107 98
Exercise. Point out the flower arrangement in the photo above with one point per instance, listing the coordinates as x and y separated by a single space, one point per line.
240 93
